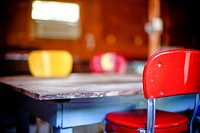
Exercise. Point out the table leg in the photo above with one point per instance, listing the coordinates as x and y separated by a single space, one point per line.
62 130
22 121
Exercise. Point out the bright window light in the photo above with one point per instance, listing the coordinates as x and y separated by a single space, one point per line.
56 11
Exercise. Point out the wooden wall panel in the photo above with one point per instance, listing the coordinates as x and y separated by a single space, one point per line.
181 23
107 25
112 25
17 23
122 27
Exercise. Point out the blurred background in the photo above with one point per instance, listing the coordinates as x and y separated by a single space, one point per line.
88 27
133 28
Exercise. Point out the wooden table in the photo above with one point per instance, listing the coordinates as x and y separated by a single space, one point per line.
80 99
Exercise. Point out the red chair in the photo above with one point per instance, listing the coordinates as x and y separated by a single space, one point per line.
166 73
108 62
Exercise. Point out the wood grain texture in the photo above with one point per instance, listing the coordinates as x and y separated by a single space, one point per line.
82 85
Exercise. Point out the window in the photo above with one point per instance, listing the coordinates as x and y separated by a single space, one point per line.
56 20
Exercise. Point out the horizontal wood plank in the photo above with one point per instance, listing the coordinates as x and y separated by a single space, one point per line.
77 85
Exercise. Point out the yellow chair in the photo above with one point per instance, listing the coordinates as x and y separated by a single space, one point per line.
50 63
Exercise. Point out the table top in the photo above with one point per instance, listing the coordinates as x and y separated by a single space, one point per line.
77 85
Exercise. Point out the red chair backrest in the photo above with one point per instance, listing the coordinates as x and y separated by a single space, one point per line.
108 62
172 72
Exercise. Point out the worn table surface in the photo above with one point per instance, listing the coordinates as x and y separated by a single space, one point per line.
89 97
77 85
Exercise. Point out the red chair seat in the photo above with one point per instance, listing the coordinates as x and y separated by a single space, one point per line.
135 119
